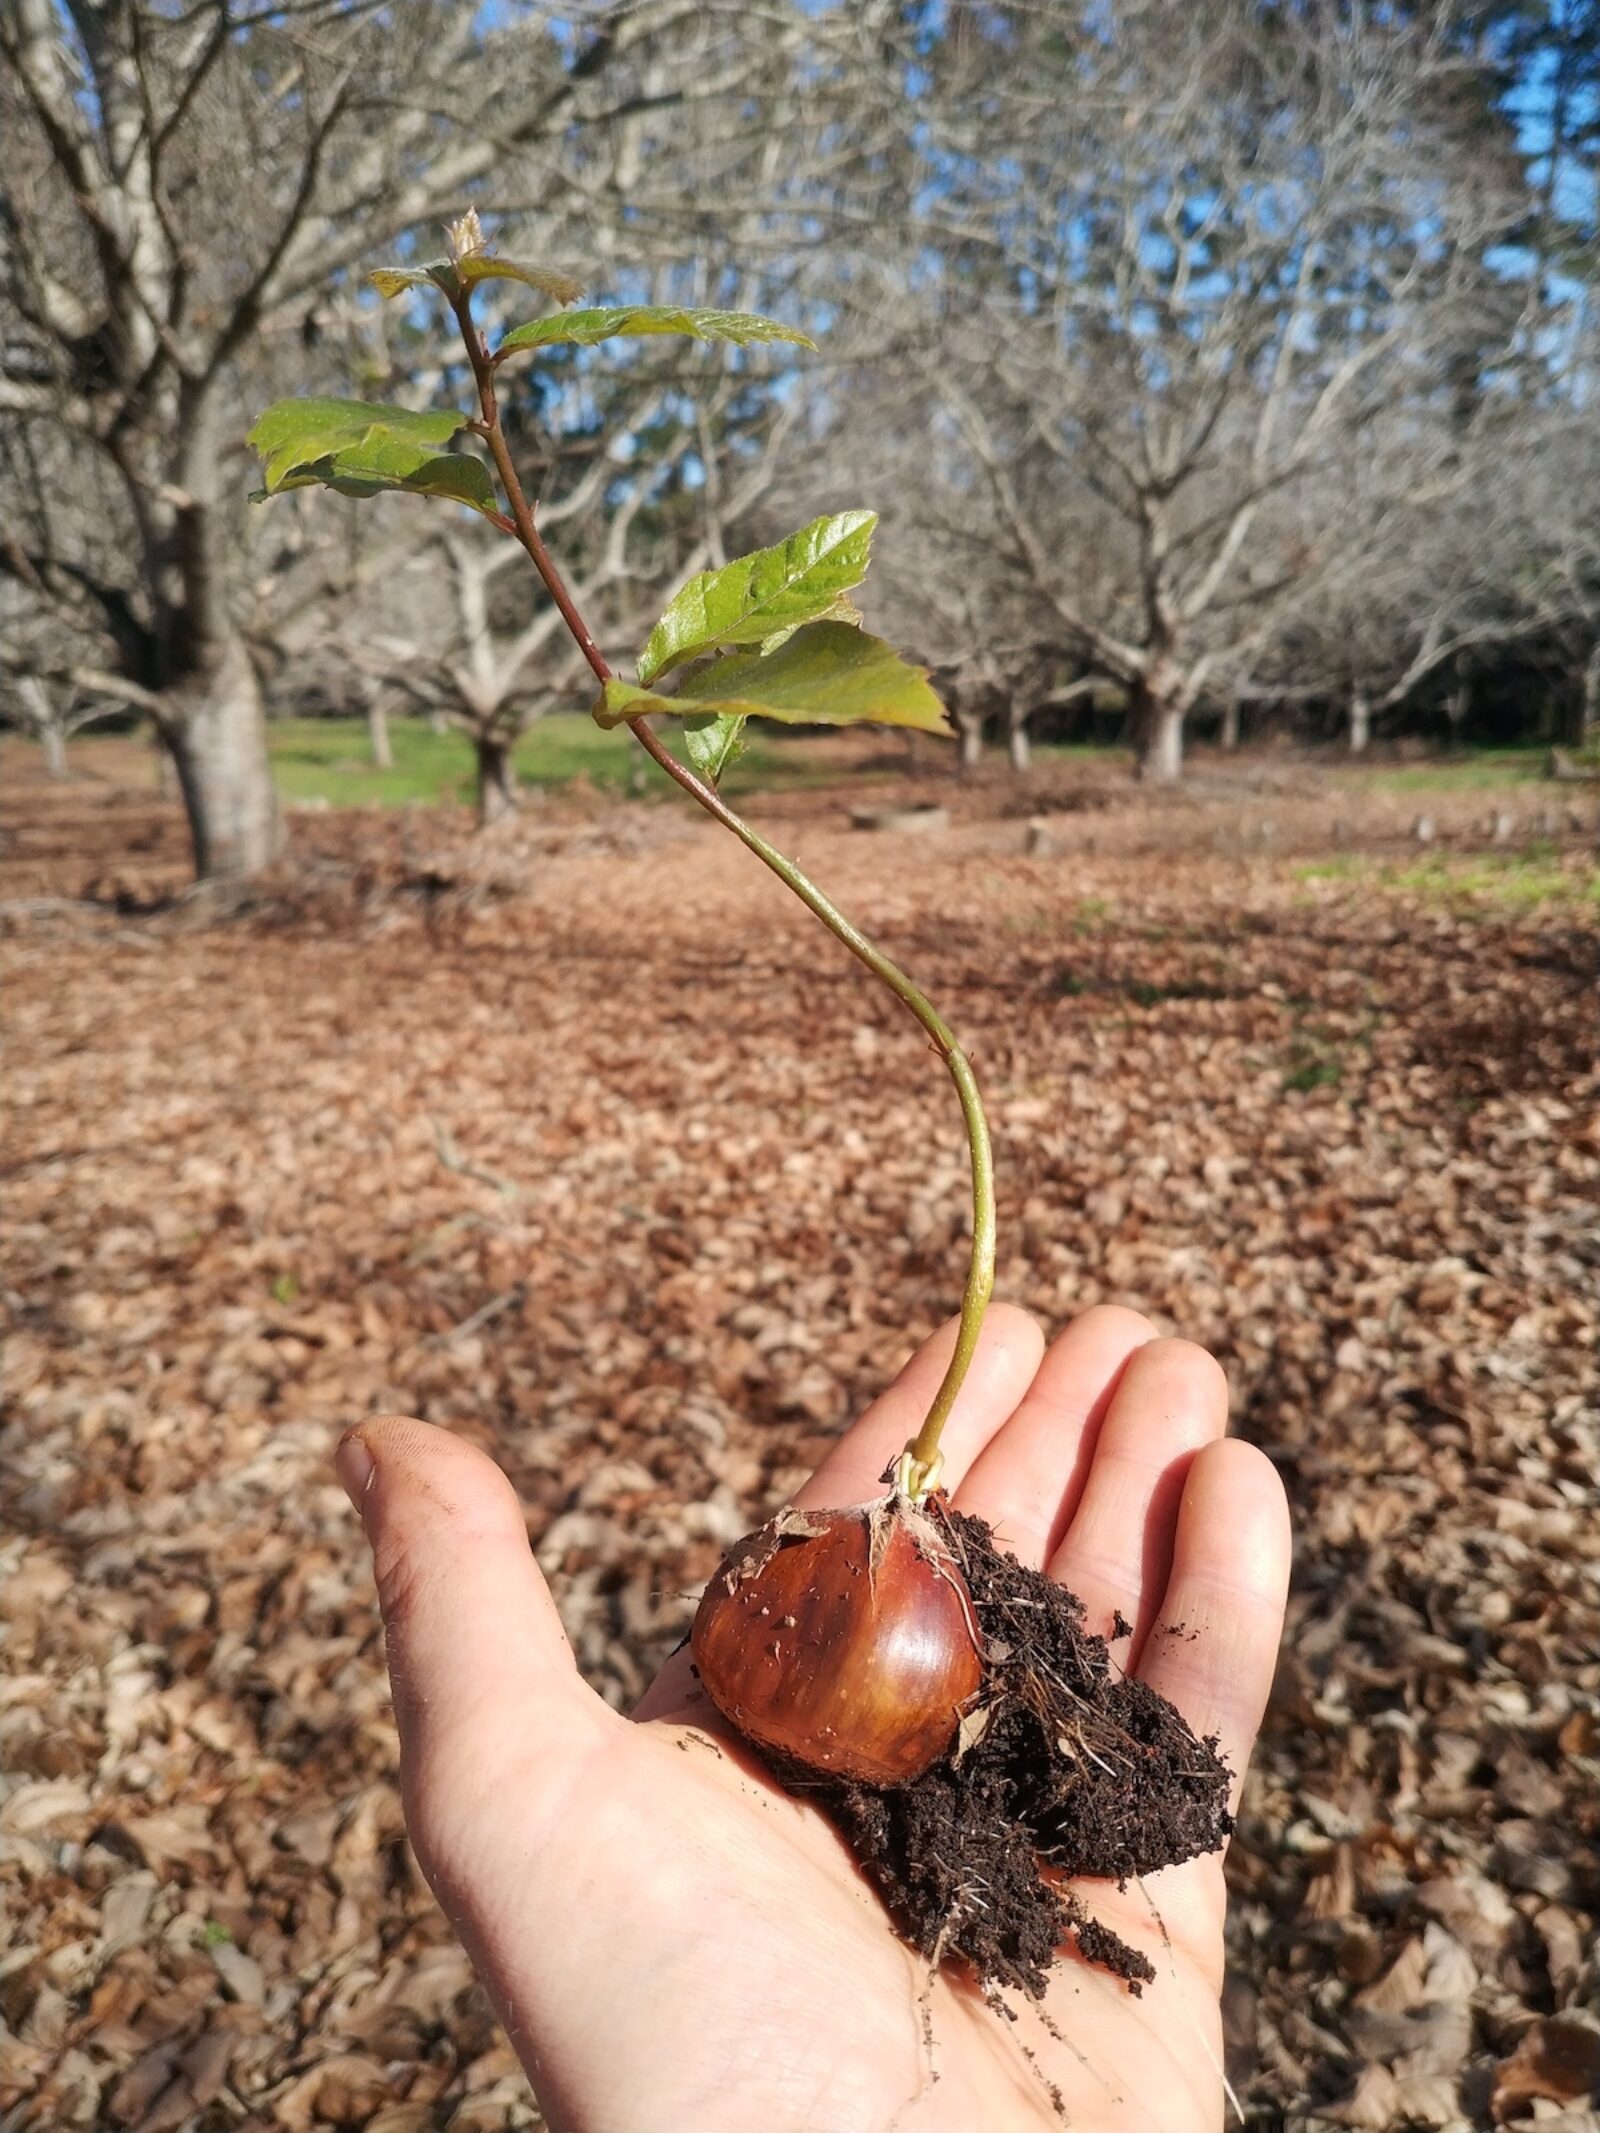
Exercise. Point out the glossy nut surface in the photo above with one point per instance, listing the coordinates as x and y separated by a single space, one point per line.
848 1644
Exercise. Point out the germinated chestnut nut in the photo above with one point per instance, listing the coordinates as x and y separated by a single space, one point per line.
845 1640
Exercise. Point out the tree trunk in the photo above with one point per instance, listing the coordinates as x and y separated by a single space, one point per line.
1229 735
166 768
46 725
212 714
378 732
497 779
1158 731
1360 721
1589 715
1456 706
218 739
971 740
1019 747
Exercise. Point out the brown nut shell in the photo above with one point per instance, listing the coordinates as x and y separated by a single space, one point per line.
845 1640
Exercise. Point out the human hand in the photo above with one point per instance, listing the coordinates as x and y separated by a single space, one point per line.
674 1944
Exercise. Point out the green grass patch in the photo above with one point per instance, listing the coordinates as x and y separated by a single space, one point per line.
1520 880
1093 915
1080 752
1484 769
328 759
1340 866
1511 880
1312 1067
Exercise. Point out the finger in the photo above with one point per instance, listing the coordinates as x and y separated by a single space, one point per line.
1008 1353
1117 1551
1215 1642
1028 1480
477 1656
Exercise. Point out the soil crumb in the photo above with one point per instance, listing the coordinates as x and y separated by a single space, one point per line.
1064 1769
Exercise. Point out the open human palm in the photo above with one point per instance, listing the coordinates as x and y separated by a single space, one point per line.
677 1946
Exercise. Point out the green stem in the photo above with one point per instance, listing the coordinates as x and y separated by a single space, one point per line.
923 1472
918 1469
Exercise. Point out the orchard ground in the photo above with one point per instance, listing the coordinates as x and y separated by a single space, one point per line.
574 1139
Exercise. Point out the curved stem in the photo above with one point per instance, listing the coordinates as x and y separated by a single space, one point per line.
923 1471
918 1469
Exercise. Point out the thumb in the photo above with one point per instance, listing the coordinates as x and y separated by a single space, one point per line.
487 1695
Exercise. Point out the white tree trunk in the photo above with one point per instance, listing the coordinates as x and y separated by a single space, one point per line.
47 727
497 779
971 740
378 732
1159 726
218 740
1589 717
1229 735
1360 722
1019 746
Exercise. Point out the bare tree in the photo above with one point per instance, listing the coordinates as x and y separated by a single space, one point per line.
1171 267
39 664
181 188
475 672
1438 558
1561 528
50 712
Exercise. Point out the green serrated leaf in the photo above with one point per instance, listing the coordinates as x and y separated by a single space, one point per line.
761 598
360 448
584 328
715 744
826 674
449 275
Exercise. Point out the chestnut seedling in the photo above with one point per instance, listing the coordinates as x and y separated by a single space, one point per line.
944 1704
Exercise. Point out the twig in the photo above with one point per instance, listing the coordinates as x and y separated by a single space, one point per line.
481 1317
453 1159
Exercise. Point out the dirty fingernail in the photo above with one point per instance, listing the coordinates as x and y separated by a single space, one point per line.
353 1464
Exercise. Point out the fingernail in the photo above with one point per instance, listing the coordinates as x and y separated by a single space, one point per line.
352 1462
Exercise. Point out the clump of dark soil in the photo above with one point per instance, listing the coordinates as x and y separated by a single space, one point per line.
1064 1769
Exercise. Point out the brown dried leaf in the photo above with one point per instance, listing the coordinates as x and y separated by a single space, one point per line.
1557 2061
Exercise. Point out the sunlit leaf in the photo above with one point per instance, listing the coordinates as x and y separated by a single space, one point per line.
760 598
360 448
449 275
292 430
389 281
826 674
634 321
549 281
715 744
